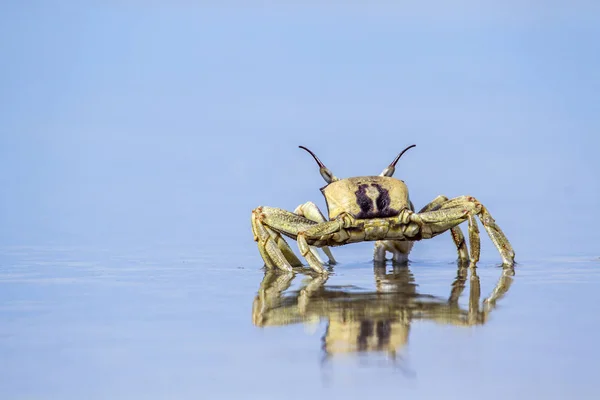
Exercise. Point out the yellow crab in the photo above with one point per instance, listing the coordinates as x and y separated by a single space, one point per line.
370 208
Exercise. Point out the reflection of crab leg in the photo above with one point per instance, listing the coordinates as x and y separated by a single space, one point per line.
311 211
269 294
459 283
400 249
455 211
315 284
475 316
501 287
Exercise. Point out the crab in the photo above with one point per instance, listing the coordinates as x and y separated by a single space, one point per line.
370 209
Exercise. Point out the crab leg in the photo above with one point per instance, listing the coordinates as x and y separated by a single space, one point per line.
285 248
315 232
473 232
261 236
311 211
474 240
398 248
276 220
458 210
457 235
401 249
276 253
442 220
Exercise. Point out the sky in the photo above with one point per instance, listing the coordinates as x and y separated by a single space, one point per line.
139 123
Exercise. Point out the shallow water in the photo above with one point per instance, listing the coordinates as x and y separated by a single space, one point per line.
97 323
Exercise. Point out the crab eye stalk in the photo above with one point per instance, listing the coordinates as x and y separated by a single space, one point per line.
389 171
325 172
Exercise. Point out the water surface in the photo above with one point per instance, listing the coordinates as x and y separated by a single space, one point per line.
183 323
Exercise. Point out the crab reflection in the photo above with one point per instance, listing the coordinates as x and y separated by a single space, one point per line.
366 321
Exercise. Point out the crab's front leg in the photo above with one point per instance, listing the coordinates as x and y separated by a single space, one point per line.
274 250
455 211
456 232
401 249
311 211
269 223
319 232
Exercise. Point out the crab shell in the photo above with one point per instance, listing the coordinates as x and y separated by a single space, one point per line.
366 197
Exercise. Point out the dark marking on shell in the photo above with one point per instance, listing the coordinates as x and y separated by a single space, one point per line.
364 202
382 202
